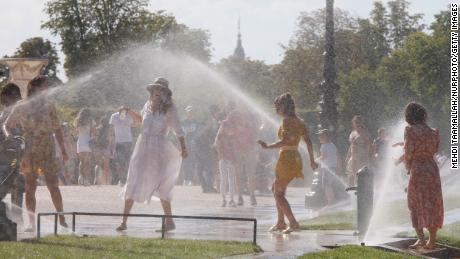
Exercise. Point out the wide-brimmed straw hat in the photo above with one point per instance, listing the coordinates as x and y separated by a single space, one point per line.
159 82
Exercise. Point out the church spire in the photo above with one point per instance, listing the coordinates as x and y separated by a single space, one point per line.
239 51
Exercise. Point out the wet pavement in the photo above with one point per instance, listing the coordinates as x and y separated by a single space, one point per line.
189 200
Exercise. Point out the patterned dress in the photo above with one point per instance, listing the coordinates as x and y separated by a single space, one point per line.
289 164
38 120
424 194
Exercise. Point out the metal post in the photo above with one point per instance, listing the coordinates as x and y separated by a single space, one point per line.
365 199
73 221
55 223
328 86
163 227
254 241
38 225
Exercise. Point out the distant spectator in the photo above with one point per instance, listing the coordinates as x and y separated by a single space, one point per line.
104 149
122 122
205 154
360 149
329 160
226 152
246 128
85 129
191 128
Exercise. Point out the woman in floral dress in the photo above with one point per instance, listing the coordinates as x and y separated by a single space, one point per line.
424 194
289 164
37 118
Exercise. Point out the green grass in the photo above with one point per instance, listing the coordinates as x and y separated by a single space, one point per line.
122 247
395 214
355 252
449 234
334 221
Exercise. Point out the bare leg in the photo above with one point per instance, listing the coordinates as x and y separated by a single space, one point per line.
280 192
420 241
251 165
31 187
167 210
432 240
238 181
84 166
351 180
53 187
280 223
128 206
106 170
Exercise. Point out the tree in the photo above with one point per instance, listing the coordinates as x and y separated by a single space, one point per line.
401 23
300 71
39 48
253 76
360 90
373 33
416 71
93 30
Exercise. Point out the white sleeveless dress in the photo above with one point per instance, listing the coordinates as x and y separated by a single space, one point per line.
155 162
84 137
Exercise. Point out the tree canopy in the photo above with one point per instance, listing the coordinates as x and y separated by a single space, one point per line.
93 30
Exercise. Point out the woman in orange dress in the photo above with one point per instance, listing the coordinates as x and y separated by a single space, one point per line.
424 194
289 164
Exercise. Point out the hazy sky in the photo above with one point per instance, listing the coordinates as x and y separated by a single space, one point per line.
265 24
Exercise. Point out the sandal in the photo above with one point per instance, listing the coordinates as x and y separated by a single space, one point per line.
428 246
417 244
168 227
122 227
290 229
64 224
276 228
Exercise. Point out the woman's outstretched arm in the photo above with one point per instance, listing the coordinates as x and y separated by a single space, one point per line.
280 143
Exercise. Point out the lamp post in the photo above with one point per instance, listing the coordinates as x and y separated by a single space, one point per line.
329 87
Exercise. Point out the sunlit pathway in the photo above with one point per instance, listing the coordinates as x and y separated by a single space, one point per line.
189 201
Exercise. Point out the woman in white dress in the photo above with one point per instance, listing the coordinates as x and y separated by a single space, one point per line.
155 163
84 126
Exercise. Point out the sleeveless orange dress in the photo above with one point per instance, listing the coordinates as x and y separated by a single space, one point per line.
289 164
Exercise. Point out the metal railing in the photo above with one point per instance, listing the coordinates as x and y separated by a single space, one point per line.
163 217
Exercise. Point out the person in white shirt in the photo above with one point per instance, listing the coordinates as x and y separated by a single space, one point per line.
330 160
122 122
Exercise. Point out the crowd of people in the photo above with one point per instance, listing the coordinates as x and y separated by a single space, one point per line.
222 153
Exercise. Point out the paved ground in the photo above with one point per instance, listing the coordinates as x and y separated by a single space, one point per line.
190 201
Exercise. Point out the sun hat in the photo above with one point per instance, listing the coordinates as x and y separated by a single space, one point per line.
159 82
